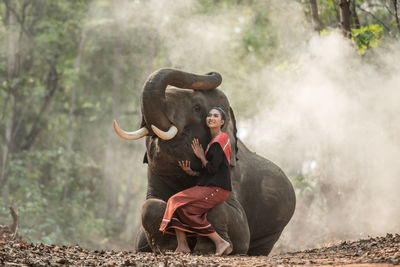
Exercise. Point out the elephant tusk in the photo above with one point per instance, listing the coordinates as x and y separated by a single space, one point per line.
165 135
130 135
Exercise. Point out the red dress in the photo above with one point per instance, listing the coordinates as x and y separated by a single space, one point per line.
187 210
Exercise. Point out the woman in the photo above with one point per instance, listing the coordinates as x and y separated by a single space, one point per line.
187 210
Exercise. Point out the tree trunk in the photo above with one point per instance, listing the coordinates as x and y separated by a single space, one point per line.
395 6
12 72
354 16
5 159
315 18
345 17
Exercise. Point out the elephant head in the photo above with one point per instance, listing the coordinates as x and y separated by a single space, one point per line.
174 107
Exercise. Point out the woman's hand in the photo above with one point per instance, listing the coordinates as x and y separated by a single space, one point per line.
185 165
199 151
197 148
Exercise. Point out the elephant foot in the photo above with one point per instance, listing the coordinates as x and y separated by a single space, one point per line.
152 213
263 245
204 246
141 244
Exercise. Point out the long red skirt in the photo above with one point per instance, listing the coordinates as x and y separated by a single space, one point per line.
187 210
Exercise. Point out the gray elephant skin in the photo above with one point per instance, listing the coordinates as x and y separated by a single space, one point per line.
174 107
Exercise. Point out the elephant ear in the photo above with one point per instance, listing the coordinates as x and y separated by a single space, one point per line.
231 131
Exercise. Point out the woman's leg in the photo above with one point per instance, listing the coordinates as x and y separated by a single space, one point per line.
221 246
182 242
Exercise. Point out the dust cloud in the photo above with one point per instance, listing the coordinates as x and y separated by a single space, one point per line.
333 127
327 116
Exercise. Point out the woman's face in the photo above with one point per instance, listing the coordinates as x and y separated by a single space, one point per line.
214 119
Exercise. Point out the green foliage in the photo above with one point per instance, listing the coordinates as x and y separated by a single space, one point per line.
367 37
56 204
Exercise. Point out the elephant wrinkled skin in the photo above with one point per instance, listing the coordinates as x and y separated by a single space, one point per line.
262 201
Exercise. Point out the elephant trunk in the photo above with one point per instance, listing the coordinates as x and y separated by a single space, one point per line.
153 96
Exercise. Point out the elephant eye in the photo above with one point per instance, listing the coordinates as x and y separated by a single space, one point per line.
197 108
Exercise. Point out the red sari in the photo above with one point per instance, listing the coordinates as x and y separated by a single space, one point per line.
187 210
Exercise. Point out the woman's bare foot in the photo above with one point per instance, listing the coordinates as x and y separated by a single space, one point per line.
223 248
183 246
182 249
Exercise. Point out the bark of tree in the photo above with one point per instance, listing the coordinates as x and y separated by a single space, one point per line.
395 6
354 15
315 18
345 17
12 72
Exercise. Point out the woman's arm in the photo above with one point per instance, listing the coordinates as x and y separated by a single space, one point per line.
186 167
216 156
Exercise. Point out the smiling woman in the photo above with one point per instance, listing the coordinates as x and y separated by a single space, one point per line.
186 211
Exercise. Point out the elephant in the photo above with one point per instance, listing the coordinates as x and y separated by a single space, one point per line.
174 104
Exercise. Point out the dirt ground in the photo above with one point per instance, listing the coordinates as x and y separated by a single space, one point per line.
377 251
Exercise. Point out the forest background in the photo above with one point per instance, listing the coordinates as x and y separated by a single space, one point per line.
314 85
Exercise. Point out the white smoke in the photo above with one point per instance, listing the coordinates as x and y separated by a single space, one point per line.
334 120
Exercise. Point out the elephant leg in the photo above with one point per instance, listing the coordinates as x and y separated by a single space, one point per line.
238 228
152 212
263 245
204 245
230 222
141 244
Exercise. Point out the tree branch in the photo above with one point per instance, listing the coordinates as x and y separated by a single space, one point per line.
354 15
52 78
52 85
388 10
27 33
372 15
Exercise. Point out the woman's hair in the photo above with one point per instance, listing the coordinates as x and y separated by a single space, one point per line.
222 112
